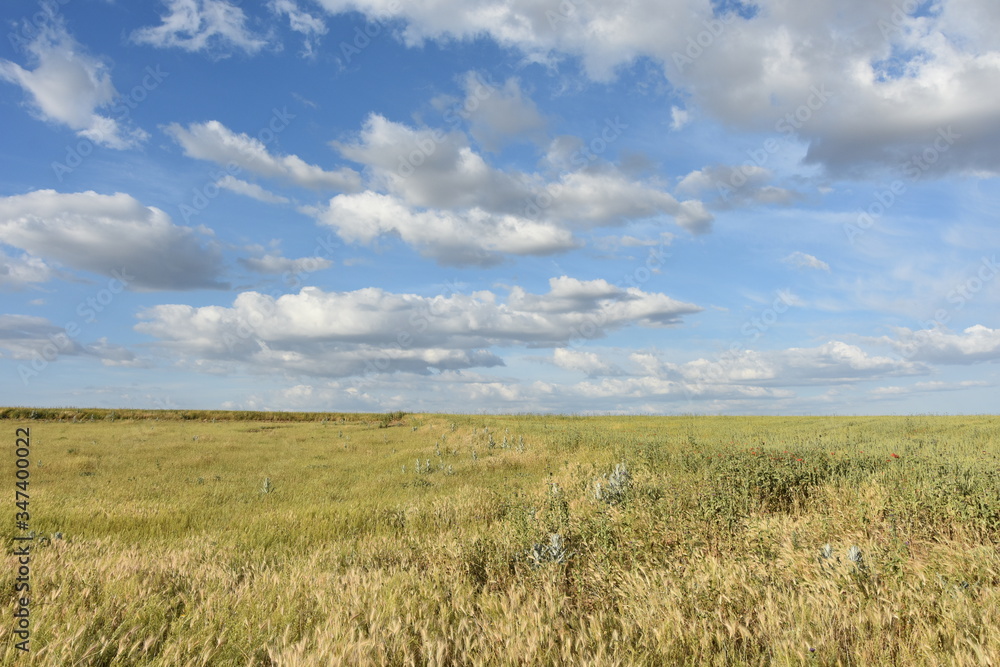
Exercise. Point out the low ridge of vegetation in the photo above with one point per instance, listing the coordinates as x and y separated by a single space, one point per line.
103 414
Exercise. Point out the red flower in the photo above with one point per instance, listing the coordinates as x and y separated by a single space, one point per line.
895 456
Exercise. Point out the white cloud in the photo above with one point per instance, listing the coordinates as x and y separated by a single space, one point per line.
802 260
214 142
434 169
25 337
216 26
18 272
584 362
498 115
868 101
590 199
748 381
832 362
250 190
975 344
311 27
68 86
277 265
111 235
679 118
924 387
468 238
344 333
745 184
664 239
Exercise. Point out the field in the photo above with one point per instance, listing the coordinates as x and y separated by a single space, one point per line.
273 539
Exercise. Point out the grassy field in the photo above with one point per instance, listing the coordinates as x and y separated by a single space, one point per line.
270 539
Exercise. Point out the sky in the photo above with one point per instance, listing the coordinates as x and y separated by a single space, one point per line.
501 206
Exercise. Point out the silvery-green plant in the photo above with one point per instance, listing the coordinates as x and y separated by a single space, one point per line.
613 488
553 552
855 556
267 487
826 556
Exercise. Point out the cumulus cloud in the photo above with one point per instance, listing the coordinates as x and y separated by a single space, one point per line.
252 190
498 115
975 344
111 235
214 142
347 333
473 237
731 186
431 169
19 272
590 199
215 26
802 260
67 86
870 101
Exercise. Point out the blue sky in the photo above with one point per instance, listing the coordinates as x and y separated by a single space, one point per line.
674 206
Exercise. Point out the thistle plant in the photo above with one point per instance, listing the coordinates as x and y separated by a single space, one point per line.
553 552
827 557
266 487
613 488
855 556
